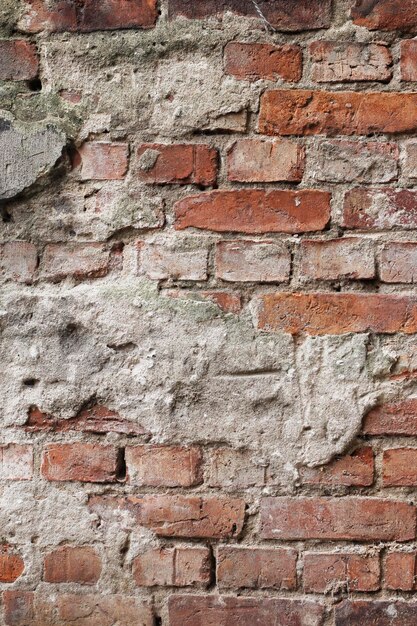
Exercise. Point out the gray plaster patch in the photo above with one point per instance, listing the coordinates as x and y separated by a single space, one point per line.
192 375
26 153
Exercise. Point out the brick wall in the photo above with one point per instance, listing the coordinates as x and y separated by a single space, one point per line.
208 256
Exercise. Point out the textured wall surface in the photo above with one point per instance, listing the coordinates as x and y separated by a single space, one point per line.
208 362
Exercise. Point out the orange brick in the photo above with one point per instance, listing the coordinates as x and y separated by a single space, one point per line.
11 564
78 260
336 259
386 14
409 60
337 313
85 462
400 571
399 467
350 518
306 112
398 262
18 261
396 418
337 61
255 211
101 160
332 573
255 61
180 163
19 60
356 469
366 208
252 261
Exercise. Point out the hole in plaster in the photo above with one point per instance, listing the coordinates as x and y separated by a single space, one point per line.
121 465
35 84
30 382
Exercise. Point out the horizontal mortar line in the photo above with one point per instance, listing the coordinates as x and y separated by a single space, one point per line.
255 373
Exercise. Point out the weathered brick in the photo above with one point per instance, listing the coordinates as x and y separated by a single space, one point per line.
11 564
255 61
230 611
409 60
19 60
380 208
306 112
356 469
255 211
410 160
398 262
335 61
16 462
352 519
96 419
335 259
252 261
345 161
85 462
378 613
335 572
264 161
100 160
180 163
234 469
337 313
18 261
78 260
179 516
285 15
400 571
386 14
87 15
26 608
172 567
178 260
399 467
164 466
226 301
396 418
72 564
256 568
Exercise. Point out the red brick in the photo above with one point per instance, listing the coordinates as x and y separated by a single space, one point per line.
337 313
179 516
378 613
380 208
255 211
409 60
16 462
252 261
386 14
164 466
178 260
356 469
352 519
99 160
399 467
79 260
172 567
256 568
97 419
306 112
25 608
69 564
11 564
400 571
338 61
398 263
18 261
86 462
256 61
264 161
345 161
19 60
87 15
179 163
242 611
410 161
332 573
285 15
396 418
336 259
234 469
